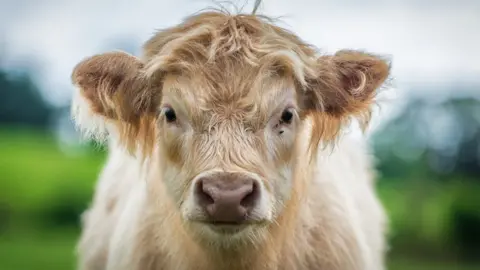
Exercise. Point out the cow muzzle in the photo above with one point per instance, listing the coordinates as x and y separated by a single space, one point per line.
229 200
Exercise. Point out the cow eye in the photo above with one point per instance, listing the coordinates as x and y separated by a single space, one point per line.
287 116
170 115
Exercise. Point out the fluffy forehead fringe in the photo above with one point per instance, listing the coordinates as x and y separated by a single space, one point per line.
215 41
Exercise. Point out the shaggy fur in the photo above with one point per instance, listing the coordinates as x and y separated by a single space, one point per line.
228 79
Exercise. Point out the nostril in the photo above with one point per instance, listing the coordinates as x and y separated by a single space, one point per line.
249 200
203 196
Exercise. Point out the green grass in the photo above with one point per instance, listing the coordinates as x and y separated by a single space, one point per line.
35 172
38 250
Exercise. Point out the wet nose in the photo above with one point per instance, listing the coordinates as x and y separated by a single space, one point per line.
227 197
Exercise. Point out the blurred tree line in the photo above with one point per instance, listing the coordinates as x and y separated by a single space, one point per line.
428 160
21 103
441 138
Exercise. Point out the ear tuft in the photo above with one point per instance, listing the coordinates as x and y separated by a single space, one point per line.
91 125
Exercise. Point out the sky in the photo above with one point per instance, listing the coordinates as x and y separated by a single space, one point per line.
429 42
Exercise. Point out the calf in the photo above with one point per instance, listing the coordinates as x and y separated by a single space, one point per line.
227 152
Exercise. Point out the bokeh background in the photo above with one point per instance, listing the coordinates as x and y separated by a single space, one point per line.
425 134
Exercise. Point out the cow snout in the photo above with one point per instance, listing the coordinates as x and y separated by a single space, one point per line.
227 197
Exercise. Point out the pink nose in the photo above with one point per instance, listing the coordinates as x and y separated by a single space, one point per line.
227 197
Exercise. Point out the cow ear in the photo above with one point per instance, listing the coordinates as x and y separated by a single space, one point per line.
342 86
345 83
113 95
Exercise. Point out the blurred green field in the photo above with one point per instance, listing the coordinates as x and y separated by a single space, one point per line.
44 187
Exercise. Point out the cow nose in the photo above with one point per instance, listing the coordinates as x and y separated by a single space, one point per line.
227 197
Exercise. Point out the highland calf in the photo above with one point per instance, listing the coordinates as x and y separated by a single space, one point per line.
227 152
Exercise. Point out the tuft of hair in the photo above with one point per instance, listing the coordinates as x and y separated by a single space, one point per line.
92 126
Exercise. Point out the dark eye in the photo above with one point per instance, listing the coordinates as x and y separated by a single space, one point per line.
287 116
170 115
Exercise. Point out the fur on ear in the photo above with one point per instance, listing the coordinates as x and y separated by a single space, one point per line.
344 86
114 97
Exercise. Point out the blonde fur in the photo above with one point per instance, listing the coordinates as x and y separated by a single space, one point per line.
229 78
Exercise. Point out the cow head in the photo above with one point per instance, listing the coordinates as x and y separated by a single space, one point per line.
218 102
